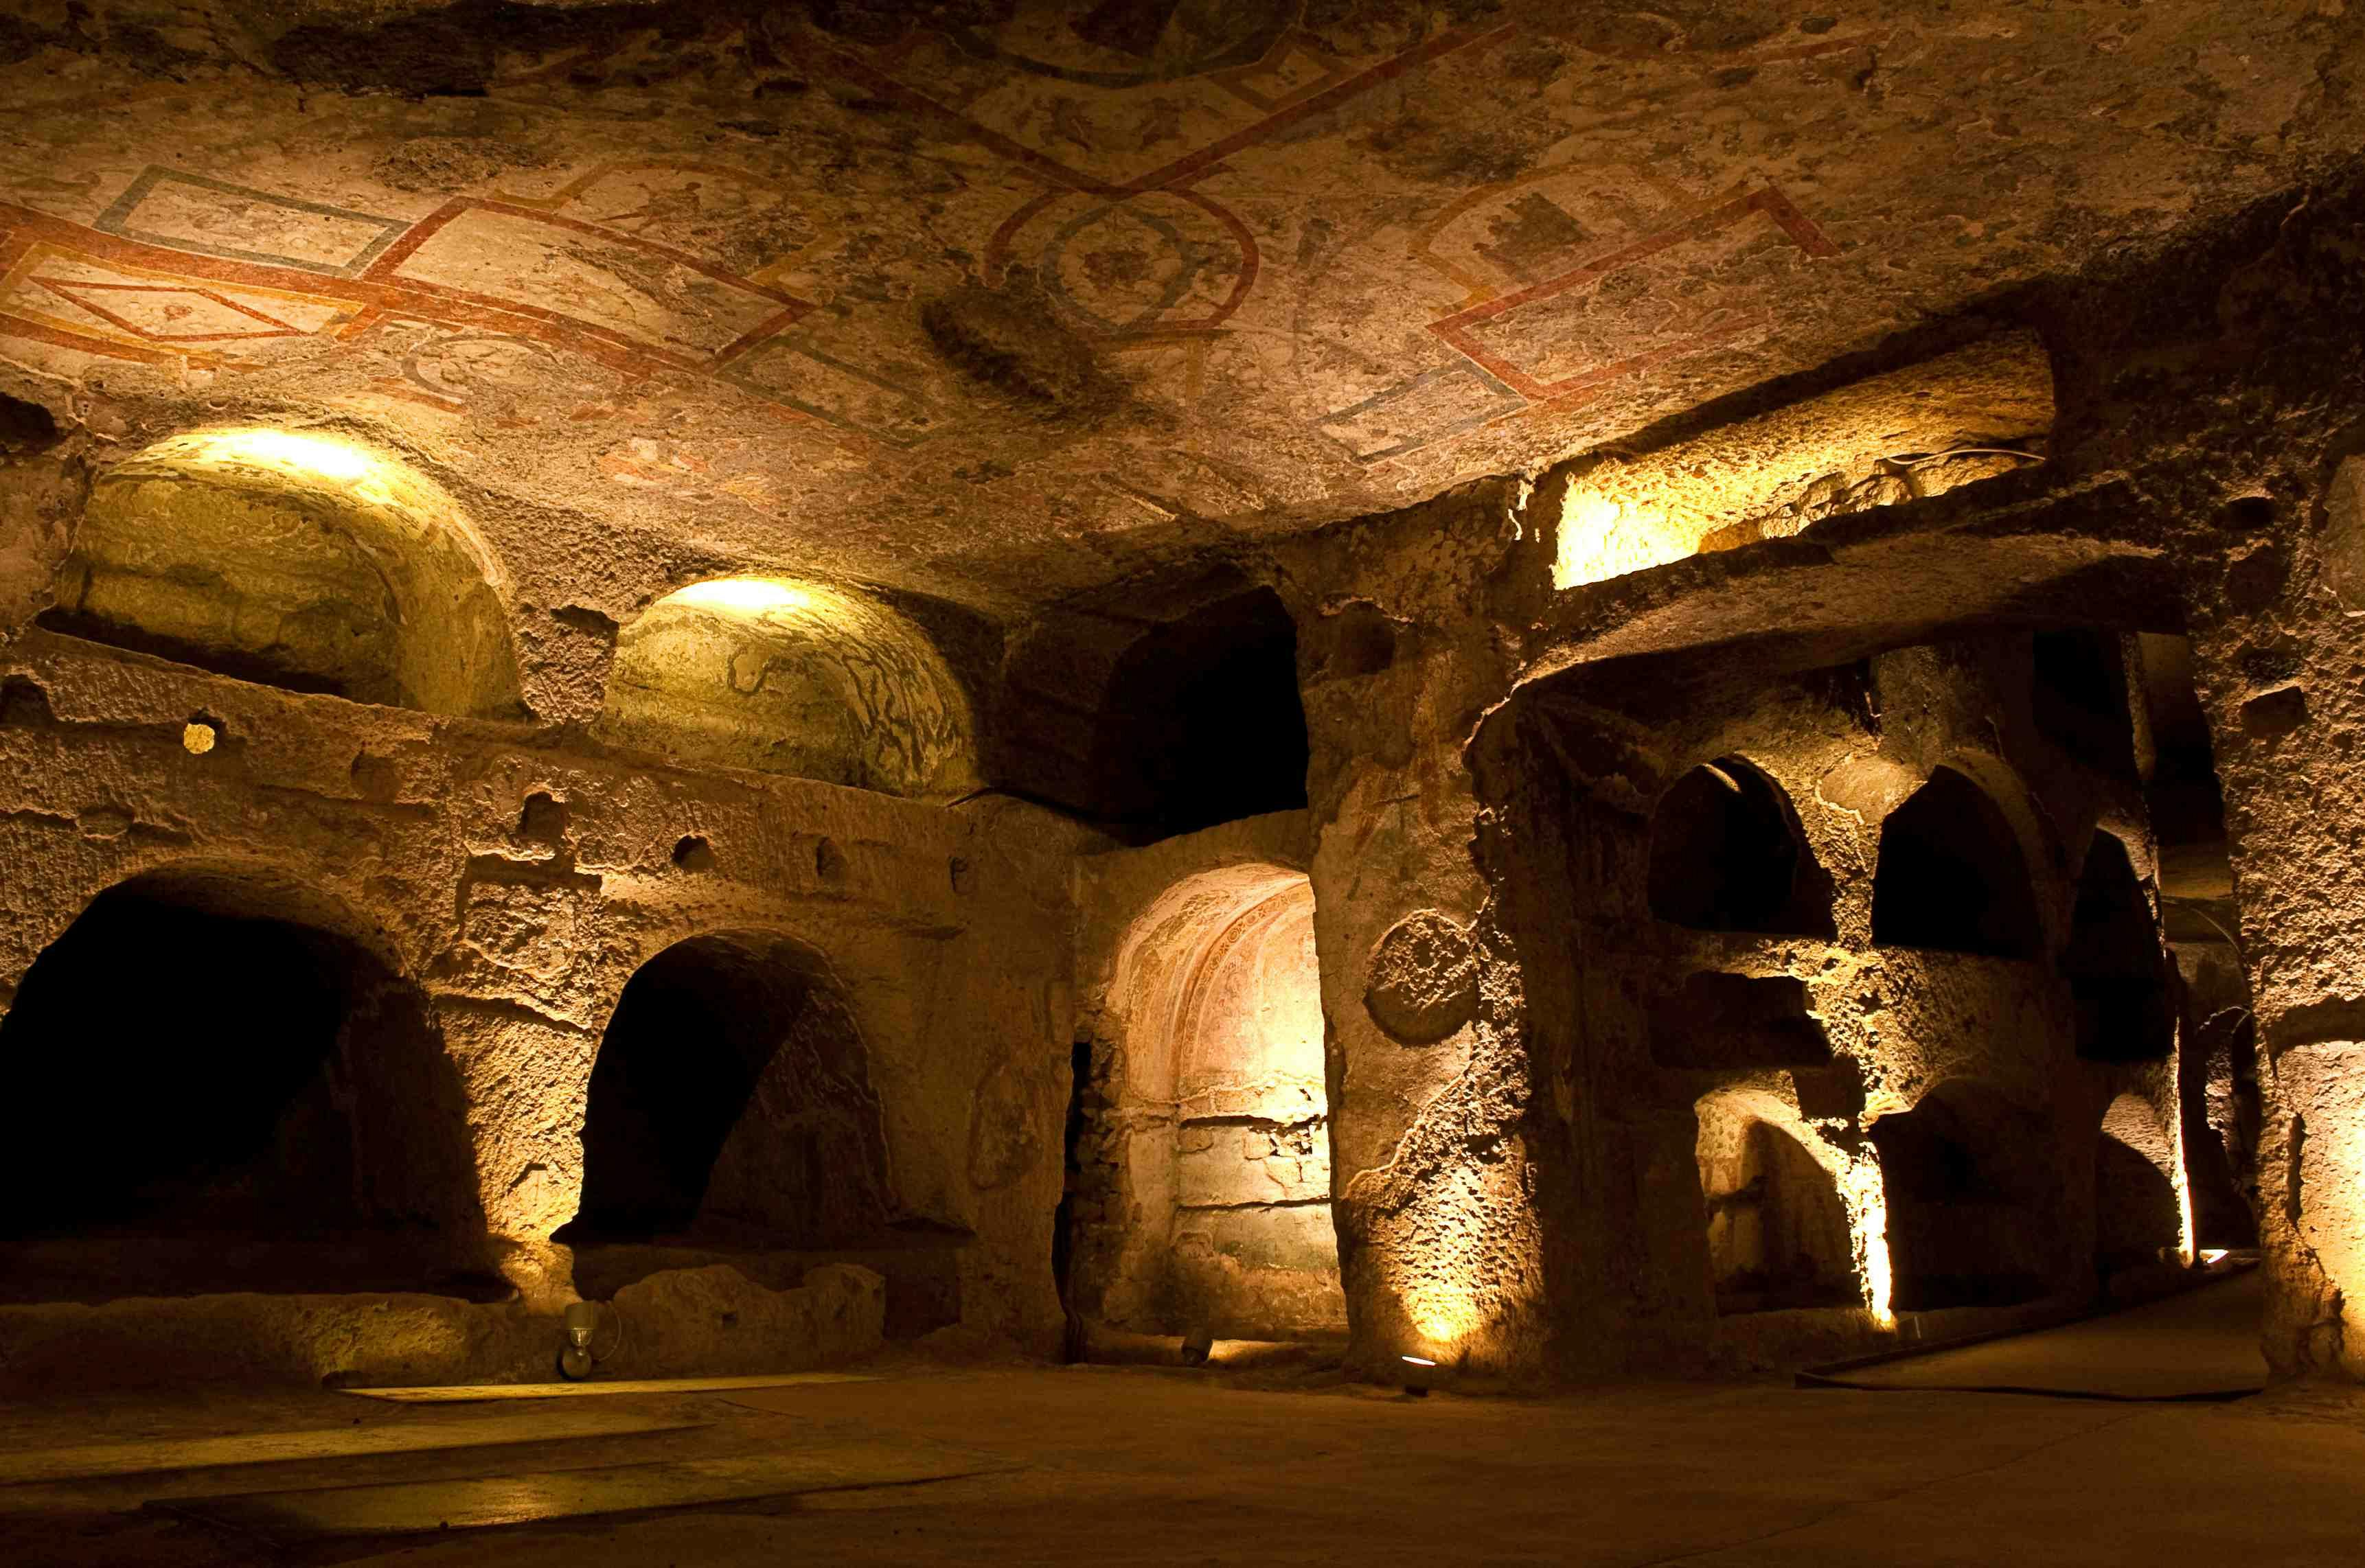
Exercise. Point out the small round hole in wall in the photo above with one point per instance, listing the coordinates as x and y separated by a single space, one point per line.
197 737
694 853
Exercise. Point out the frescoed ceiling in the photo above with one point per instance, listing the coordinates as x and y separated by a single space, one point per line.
1005 299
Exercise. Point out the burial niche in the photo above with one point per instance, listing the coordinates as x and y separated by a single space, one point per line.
217 1085
1200 723
1973 1196
1778 1232
2115 965
731 1101
780 676
1210 1126
1952 877
1727 854
296 559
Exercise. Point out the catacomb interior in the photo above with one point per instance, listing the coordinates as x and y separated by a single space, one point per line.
1544 692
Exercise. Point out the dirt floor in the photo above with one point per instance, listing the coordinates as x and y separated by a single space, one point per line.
1112 1466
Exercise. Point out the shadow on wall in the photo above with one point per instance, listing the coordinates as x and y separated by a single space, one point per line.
2136 1216
731 1101
1952 876
2116 964
214 1064
295 559
1974 1197
1777 1230
780 676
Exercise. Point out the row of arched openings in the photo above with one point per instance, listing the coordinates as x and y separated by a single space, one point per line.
1974 1210
271 1105
1727 853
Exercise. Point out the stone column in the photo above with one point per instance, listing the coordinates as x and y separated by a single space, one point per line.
2275 649
1431 1178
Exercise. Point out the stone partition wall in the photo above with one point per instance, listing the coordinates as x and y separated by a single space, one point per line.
517 877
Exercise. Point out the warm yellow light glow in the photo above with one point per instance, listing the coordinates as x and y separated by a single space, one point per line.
750 596
297 454
197 739
1867 1207
1602 538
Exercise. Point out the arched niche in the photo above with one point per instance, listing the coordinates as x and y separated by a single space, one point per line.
1211 1120
1727 854
1952 876
730 1101
1777 1229
1973 1194
2137 1215
294 558
782 676
2116 964
220 1081
1200 723
2078 695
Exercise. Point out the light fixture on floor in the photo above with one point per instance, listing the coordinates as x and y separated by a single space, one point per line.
1420 1372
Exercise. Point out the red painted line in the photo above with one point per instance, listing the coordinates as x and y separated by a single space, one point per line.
40 333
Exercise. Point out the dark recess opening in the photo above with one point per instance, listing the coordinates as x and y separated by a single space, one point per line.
1201 724
731 1100
1973 1202
2078 696
260 669
1777 1230
255 1098
1727 854
2115 966
1952 877
2136 1211
1732 1023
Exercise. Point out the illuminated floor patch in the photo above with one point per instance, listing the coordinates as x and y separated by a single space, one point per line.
2200 1345
468 1393
414 1508
96 1460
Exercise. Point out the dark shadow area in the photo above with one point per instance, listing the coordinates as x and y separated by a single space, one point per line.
1973 1200
258 667
2115 966
1202 722
1952 876
732 1100
1777 1233
2078 695
1726 1023
1727 854
261 1103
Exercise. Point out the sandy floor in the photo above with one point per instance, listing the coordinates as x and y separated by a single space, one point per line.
1137 1466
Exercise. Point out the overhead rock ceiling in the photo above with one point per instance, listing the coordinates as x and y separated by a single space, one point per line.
1000 300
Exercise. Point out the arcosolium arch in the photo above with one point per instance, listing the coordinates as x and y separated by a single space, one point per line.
732 1100
1952 875
301 559
219 1081
782 676
1208 1153
1727 854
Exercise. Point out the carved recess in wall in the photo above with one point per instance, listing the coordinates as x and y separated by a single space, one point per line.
1422 981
